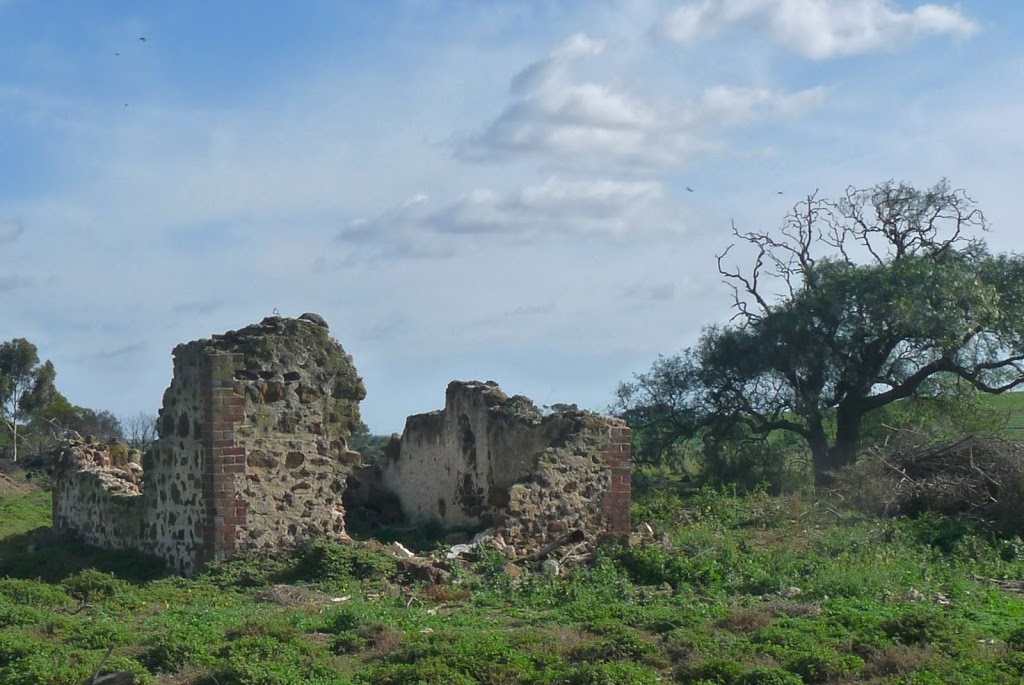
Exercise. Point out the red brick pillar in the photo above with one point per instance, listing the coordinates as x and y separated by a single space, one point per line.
223 408
616 502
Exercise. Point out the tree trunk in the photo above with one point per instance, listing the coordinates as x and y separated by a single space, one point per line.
14 440
818 442
844 451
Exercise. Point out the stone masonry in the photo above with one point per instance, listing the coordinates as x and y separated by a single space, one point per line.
252 453
490 460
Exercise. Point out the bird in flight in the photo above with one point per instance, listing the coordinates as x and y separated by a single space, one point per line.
142 38
689 188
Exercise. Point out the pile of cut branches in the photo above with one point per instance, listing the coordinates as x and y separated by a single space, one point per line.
979 475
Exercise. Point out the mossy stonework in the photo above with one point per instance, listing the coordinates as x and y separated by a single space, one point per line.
253 453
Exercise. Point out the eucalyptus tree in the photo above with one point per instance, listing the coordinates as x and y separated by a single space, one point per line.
25 385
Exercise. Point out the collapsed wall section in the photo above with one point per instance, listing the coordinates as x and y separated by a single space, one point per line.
98 493
490 460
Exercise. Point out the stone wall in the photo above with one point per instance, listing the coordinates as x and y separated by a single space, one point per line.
490 460
98 493
251 452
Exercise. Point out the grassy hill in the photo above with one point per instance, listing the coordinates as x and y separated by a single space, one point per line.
739 591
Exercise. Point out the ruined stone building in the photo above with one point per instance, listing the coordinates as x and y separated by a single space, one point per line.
252 454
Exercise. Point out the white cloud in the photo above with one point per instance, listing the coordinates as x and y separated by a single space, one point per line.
597 208
599 126
537 74
732 105
818 29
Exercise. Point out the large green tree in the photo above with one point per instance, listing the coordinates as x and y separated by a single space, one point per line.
25 385
851 305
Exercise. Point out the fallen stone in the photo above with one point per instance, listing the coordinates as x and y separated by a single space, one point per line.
423 570
400 551
456 551
913 595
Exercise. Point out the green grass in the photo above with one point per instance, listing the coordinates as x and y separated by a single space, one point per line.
750 590
1010 405
21 514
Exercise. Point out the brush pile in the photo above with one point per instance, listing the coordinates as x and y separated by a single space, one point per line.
978 475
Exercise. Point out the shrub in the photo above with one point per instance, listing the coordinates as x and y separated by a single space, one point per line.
1016 639
919 625
178 645
769 676
33 593
620 643
269 661
92 586
246 570
612 673
750 462
332 562
824 666
715 670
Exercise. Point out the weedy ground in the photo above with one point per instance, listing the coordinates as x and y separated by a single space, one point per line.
742 590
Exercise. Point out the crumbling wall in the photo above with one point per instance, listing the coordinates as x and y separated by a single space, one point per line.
99 494
251 451
490 460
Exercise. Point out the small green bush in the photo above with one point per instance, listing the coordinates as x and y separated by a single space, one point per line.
247 570
331 562
714 670
611 673
824 666
178 645
1016 639
92 586
619 643
769 676
269 661
33 593
919 625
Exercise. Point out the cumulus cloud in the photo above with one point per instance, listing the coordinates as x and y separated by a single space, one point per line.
10 230
599 208
818 29
579 124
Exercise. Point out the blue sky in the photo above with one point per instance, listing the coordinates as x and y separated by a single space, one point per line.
471 190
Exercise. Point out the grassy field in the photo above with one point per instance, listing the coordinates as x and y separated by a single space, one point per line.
751 590
1011 405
